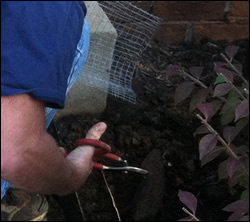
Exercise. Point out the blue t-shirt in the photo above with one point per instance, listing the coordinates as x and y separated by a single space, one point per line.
38 42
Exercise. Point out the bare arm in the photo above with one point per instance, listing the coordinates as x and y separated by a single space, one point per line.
30 157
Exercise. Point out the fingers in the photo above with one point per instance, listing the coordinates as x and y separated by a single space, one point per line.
63 151
96 131
82 156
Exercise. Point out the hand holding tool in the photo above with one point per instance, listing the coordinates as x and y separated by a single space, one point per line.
103 150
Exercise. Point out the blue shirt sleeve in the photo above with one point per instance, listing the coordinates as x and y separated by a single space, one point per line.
38 42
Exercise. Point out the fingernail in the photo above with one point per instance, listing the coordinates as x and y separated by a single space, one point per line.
101 127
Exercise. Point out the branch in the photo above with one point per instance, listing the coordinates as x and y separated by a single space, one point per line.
190 214
235 69
234 87
195 80
211 129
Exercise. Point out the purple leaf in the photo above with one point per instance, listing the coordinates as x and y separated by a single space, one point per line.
242 110
231 50
212 155
235 179
172 70
198 97
239 209
201 130
233 166
244 218
229 133
225 72
196 71
207 109
222 170
188 199
207 144
219 65
222 89
187 219
183 91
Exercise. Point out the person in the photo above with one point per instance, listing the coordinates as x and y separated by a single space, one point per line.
44 47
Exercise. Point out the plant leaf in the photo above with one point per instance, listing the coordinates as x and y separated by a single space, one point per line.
212 155
222 89
187 219
172 70
201 130
220 64
230 51
207 109
189 200
233 166
245 195
225 72
242 110
183 91
222 170
207 144
237 178
241 124
229 133
198 97
196 71
239 209
219 79
226 118
217 105
228 109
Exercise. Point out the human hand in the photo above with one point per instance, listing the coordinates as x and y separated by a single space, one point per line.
81 158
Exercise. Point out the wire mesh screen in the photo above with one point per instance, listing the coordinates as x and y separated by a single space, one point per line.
120 33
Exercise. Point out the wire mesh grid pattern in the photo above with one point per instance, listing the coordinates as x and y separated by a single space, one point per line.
120 38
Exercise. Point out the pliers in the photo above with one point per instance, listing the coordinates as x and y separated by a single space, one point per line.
103 150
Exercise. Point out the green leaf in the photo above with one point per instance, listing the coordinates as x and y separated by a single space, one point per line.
227 117
219 79
245 195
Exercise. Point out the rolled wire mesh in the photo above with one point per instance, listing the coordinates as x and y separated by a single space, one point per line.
117 45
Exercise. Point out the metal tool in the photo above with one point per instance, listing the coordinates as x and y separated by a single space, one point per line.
103 150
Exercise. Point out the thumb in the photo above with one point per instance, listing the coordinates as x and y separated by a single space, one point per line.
82 155
96 131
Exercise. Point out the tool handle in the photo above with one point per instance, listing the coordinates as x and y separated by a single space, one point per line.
103 148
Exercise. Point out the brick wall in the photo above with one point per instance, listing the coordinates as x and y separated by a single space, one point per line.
194 20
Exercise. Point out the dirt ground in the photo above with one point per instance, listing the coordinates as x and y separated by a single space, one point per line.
154 135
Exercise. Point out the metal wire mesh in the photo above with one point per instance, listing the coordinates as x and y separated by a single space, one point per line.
120 38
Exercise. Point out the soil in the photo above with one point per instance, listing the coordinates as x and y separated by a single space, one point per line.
157 136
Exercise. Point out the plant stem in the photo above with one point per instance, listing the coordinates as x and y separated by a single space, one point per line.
211 129
246 91
190 214
235 69
112 198
234 87
195 80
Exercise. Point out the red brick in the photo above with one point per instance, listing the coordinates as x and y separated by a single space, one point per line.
240 9
189 10
221 31
171 32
